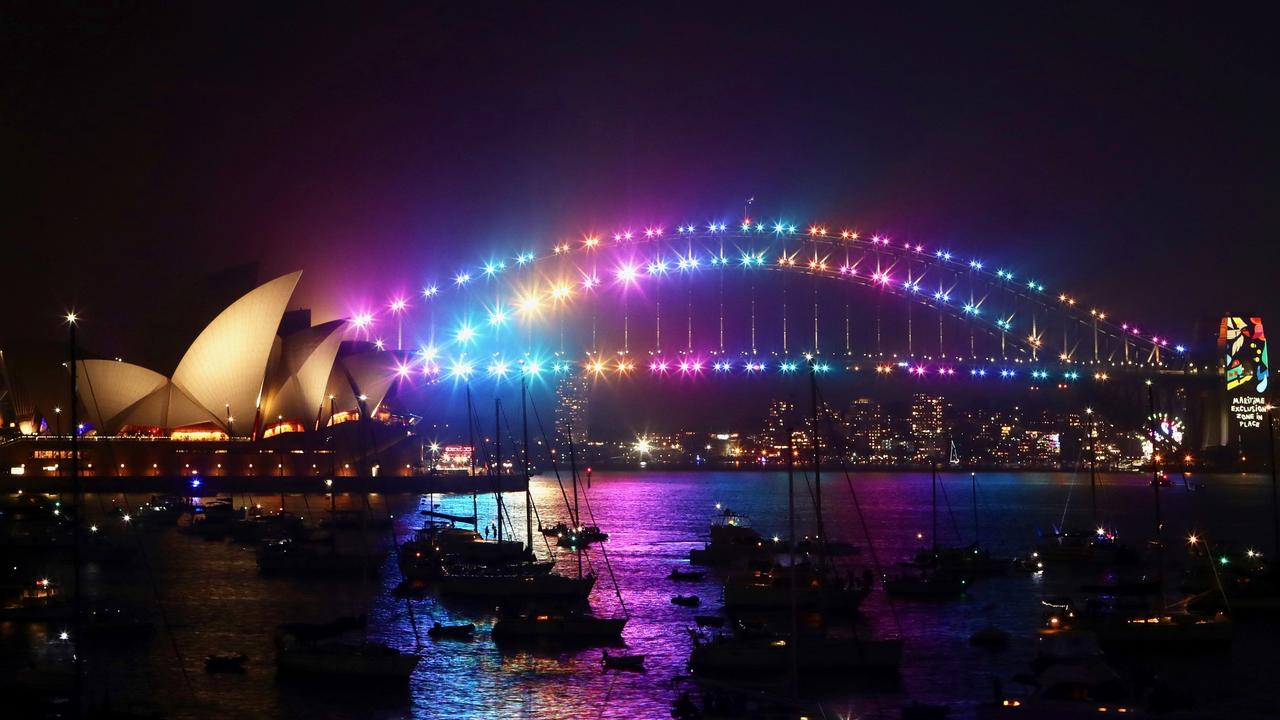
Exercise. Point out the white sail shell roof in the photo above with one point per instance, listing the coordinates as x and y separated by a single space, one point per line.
296 390
224 369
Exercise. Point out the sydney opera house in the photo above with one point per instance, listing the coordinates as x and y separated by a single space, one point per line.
259 391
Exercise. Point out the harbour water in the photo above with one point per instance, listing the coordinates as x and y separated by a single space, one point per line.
214 598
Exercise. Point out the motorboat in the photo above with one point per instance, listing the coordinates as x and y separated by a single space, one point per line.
515 586
581 536
344 659
970 561
925 585
1100 547
770 654
569 625
622 662
225 662
733 542
686 600
686 575
814 589
440 631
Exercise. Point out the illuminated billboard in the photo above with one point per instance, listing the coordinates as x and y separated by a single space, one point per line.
1242 345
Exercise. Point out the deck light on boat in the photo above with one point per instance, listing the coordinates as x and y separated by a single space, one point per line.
64 635
127 518
94 528
1192 539
1011 703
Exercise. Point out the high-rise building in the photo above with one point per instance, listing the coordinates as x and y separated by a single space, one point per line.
868 430
926 426
572 398
776 423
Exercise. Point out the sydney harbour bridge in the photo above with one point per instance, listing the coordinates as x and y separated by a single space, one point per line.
643 292
753 298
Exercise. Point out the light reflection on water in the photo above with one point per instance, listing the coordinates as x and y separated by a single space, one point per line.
217 601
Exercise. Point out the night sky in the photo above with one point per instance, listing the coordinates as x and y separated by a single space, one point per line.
1129 154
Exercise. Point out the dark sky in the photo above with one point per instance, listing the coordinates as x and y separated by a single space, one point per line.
1129 153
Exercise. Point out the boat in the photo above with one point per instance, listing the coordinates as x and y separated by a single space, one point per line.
291 556
925 585
310 632
733 542
1100 547
355 520
211 521
225 662
581 536
622 662
990 637
771 654
1118 623
971 561
568 625
772 588
437 545
686 575
461 630
515 586
714 621
257 526
830 548
686 600
367 660
1068 692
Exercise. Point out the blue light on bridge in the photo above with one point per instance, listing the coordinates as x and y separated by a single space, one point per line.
970 309
430 291
975 264
466 334
525 258
461 279
498 317
461 369
499 369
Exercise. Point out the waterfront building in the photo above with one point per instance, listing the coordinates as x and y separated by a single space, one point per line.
258 392
573 394
927 434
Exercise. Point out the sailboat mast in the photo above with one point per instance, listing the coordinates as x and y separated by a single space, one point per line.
817 464
1093 468
973 490
471 441
79 516
933 483
1275 493
1155 468
573 474
528 492
791 550
497 461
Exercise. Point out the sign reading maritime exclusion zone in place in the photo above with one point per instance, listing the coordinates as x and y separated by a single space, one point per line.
1242 345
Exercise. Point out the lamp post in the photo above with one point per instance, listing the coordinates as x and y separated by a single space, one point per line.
77 655
1275 493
